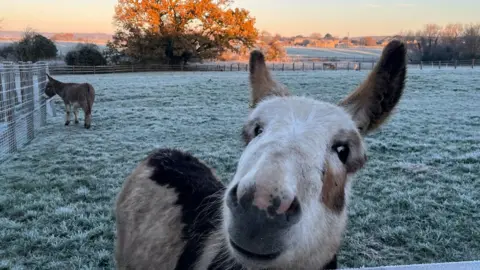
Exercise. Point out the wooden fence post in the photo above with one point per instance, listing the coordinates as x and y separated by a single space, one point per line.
283 66
313 66
439 64
473 63
238 64
421 64
293 66
359 66
26 89
2 102
42 83
303 66
348 66
10 104
455 63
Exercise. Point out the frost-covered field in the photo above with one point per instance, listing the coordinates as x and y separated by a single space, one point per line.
334 52
416 201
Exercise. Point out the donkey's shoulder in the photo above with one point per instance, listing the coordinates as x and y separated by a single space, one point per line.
184 172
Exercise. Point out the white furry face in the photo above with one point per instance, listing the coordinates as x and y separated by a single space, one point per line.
286 205
302 148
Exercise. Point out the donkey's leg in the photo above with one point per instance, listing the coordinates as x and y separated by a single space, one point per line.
67 116
75 113
88 116
88 119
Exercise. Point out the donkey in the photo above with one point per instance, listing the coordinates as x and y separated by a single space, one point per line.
286 206
76 95
329 66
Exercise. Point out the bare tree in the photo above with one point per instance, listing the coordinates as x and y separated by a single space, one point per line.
472 39
432 32
407 36
451 33
265 36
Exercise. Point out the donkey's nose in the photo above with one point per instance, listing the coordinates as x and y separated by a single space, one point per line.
280 208
259 221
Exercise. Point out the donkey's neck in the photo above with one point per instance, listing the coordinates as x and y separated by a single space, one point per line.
60 88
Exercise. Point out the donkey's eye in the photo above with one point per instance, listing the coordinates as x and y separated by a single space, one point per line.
258 130
342 151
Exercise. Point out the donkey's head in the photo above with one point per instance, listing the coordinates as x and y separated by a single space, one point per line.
287 201
52 87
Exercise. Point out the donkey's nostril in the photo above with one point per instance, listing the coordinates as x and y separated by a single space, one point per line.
294 211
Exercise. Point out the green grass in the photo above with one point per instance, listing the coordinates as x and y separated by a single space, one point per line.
416 201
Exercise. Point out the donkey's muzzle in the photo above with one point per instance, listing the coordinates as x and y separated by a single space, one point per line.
259 232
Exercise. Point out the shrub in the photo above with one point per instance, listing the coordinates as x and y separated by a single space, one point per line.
86 55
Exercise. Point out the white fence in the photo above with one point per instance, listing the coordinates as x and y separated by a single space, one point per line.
23 108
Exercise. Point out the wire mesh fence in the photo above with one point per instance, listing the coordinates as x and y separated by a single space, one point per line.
23 108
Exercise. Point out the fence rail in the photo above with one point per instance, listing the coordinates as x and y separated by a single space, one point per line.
22 106
292 66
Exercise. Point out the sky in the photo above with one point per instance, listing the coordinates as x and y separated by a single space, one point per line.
286 17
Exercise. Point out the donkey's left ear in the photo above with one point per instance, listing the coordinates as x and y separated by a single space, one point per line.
261 81
374 100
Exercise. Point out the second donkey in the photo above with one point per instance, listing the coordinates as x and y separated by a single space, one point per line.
75 96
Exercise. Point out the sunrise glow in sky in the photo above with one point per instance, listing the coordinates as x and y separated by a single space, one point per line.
287 17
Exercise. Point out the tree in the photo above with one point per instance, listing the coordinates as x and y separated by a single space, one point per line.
265 36
432 33
328 36
451 33
316 36
86 55
112 55
8 53
472 40
34 47
273 48
450 36
175 31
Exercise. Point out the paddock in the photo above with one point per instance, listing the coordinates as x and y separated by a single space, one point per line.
416 201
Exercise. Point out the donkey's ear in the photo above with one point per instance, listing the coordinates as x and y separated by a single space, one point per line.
50 78
374 100
261 81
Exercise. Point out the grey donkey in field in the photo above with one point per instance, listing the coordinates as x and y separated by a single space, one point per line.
75 96
286 206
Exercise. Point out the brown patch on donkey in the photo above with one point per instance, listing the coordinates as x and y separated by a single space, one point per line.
74 96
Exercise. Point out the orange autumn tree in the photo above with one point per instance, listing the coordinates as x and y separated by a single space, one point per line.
174 31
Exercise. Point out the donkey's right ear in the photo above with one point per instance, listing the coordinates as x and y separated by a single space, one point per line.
49 78
261 81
